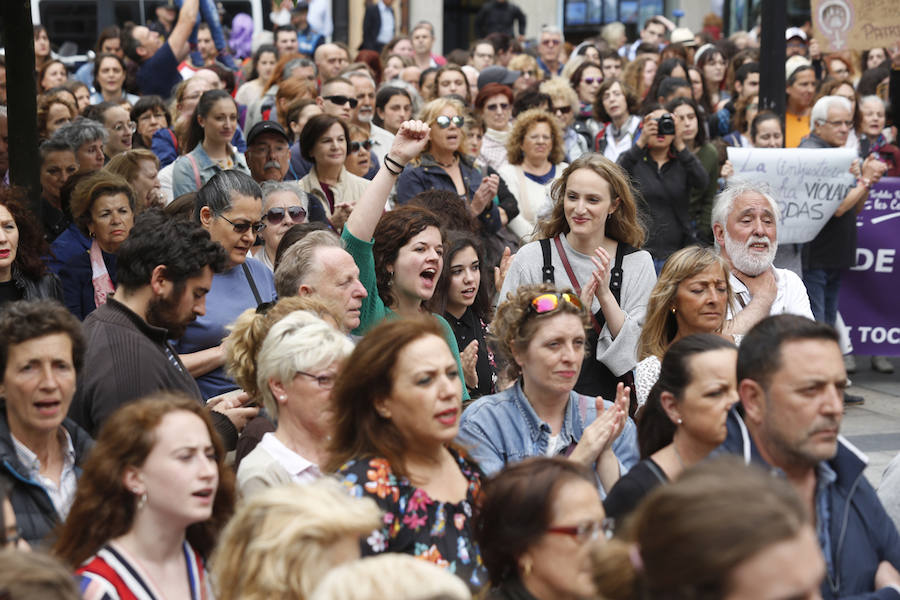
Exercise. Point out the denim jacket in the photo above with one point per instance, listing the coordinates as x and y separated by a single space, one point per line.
184 178
503 428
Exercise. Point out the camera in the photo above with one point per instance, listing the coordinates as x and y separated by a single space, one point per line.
665 125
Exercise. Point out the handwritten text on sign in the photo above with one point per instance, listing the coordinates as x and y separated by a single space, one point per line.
808 184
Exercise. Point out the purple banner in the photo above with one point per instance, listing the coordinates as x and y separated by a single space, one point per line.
870 292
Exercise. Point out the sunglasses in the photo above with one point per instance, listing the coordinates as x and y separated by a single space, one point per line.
355 146
563 110
444 121
549 302
245 227
342 100
275 214
493 107
592 80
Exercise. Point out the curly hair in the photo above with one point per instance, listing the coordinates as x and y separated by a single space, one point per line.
278 546
45 103
624 224
633 76
631 100
394 230
182 247
25 320
247 333
660 325
514 152
515 322
88 190
368 376
126 440
32 245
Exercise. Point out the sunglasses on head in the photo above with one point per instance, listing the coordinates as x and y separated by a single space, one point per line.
444 121
342 100
245 227
276 214
546 303
355 146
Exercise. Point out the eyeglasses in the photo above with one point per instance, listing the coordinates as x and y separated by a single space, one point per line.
550 42
549 302
245 227
588 530
840 123
119 127
152 115
504 106
592 80
326 382
275 214
342 100
444 121
562 110
529 73
355 146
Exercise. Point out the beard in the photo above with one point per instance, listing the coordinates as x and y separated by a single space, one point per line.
365 116
163 312
747 261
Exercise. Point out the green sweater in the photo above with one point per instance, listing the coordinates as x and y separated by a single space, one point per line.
374 311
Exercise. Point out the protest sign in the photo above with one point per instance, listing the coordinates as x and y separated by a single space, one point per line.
869 292
808 184
856 24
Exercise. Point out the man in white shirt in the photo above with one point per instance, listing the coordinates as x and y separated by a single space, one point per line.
745 223
365 110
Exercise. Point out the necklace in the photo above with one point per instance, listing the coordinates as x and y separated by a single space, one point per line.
446 165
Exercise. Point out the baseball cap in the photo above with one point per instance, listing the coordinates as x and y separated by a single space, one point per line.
792 32
301 6
497 74
683 36
266 127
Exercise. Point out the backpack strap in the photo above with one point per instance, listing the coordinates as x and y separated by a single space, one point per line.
197 179
547 268
252 283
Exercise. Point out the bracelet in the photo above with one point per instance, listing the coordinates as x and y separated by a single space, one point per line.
866 183
388 159
387 166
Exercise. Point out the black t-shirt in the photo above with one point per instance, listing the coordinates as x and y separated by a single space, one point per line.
632 488
9 292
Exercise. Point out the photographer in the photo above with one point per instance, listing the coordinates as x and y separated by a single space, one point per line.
665 172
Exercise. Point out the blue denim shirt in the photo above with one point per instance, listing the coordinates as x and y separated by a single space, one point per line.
503 428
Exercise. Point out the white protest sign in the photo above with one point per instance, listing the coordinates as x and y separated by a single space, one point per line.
808 184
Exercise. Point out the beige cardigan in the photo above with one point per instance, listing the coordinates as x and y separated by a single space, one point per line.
349 188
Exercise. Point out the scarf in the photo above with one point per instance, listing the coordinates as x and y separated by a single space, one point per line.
103 285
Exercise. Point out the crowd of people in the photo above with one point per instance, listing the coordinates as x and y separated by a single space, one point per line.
293 321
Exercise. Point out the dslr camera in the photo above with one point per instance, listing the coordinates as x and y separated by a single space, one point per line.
665 125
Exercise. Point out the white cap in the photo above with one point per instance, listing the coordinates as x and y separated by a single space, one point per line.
792 32
683 36
794 63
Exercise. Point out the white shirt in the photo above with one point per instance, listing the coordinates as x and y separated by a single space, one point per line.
386 33
615 148
319 17
790 295
300 469
382 139
61 495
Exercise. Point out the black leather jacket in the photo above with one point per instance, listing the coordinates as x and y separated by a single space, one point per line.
47 286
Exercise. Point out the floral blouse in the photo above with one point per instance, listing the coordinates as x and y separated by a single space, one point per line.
439 532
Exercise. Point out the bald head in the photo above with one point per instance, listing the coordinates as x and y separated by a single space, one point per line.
330 59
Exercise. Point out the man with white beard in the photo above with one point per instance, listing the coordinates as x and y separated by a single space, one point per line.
745 224
365 110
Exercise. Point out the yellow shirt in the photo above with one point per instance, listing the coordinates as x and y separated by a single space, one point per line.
795 129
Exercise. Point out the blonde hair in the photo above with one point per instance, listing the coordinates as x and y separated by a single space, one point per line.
431 111
559 88
515 322
520 127
277 546
249 330
525 62
633 75
300 341
396 576
660 325
624 224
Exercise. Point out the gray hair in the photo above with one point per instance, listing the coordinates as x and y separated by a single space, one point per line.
297 261
736 188
299 63
819 113
271 187
873 98
423 25
216 194
52 145
80 132
553 30
300 341
360 73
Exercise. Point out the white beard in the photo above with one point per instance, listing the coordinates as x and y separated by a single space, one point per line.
365 117
747 261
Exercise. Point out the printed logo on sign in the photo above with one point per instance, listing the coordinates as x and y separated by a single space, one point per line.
836 20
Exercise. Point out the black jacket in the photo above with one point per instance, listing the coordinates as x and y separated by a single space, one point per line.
499 17
371 27
46 287
35 514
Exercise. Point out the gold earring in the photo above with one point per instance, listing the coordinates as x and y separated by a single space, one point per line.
526 568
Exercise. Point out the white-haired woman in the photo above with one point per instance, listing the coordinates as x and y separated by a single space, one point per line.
283 541
284 206
296 369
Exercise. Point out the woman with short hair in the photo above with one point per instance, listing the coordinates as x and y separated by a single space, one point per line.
140 168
